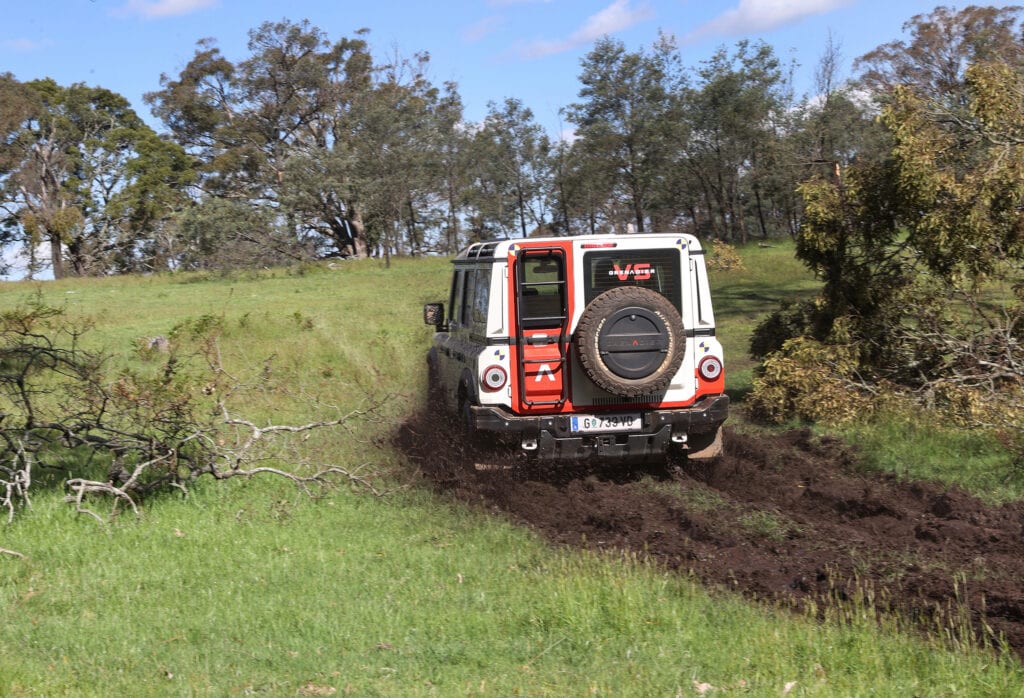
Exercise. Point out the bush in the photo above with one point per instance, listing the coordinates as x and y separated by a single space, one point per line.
724 257
790 321
809 381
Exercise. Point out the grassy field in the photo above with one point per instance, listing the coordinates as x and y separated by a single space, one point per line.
250 587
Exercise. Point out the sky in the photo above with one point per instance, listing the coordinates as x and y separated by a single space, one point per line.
493 49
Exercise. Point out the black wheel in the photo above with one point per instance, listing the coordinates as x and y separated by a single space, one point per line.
466 427
470 442
630 341
435 391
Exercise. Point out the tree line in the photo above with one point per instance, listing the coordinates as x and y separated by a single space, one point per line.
311 146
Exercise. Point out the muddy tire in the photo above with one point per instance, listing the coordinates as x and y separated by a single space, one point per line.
466 429
469 438
435 389
630 341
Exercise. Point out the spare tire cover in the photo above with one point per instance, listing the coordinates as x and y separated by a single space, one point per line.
629 341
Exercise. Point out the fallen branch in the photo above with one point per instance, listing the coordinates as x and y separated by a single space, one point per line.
20 479
150 432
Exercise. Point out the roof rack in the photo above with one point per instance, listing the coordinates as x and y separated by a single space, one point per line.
482 250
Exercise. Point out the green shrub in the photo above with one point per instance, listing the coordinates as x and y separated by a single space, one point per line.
791 320
810 381
724 257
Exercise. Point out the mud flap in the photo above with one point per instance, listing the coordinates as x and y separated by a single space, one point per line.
706 452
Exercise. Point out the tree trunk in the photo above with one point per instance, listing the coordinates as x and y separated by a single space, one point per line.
736 211
56 256
452 234
355 219
521 211
564 206
760 212
694 220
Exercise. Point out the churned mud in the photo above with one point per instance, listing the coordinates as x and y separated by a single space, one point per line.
784 519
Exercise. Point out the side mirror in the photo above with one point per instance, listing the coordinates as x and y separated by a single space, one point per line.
433 314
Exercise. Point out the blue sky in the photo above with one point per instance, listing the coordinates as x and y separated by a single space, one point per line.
493 49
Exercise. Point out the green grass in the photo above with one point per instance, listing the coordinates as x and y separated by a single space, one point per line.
915 447
248 587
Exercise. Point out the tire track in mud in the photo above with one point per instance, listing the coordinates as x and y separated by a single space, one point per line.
787 519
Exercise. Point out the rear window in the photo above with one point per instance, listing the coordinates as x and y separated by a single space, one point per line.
542 287
657 270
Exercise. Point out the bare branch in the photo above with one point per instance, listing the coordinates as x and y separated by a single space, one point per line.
150 433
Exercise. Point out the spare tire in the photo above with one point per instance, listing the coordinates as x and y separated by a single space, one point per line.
630 341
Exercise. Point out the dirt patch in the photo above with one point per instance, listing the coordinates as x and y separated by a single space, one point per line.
784 519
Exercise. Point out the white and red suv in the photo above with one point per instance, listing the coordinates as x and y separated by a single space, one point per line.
594 346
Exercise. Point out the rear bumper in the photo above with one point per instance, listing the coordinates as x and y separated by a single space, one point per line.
550 436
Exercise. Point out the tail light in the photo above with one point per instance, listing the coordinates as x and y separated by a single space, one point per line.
710 368
494 378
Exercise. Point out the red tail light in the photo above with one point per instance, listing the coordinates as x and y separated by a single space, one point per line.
494 378
710 368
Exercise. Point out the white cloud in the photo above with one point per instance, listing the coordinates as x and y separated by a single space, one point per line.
23 45
754 16
483 28
614 18
155 9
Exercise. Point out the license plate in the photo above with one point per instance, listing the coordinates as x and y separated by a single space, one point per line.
587 423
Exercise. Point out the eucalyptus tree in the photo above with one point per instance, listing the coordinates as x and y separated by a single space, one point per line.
941 46
839 124
147 210
626 120
337 146
222 233
584 188
513 179
397 126
244 122
324 190
453 163
828 132
70 158
956 131
19 105
386 156
943 201
736 113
